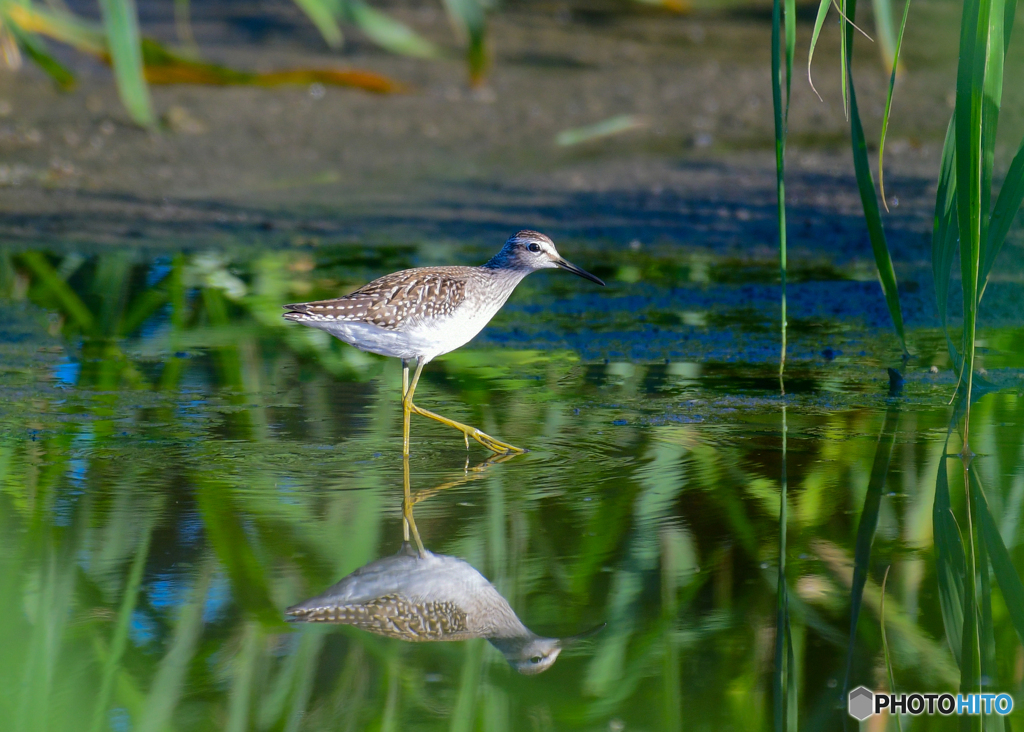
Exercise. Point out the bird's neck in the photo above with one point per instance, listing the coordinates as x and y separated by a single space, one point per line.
503 279
505 261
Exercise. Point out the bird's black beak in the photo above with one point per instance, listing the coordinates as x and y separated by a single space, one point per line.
563 642
569 267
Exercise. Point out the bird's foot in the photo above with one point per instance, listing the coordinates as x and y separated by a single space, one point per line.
491 443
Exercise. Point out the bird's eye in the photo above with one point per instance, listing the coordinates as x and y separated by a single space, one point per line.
536 659
534 247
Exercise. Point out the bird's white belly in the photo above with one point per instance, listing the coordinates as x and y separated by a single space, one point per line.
425 339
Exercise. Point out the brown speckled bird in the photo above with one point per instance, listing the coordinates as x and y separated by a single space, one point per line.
422 596
419 314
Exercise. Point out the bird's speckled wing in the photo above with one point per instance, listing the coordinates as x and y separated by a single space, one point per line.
394 616
394 300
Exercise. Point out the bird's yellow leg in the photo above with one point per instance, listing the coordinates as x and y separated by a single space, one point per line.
408 520
491 443
406 413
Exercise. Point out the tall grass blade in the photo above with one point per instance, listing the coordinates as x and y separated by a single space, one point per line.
819 21
781 123
68 299
865 183
784 686
124 43
35 49
950 560
970 647
873 218
945 236
844 39
970 91
120 637
389 33
1002 565
1008 203
169 682
885 646
321 13
888 44
470 19
888 98
868 525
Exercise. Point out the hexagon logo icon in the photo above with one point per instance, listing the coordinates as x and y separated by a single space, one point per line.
861 703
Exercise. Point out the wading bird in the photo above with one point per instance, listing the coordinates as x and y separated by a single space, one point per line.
419 314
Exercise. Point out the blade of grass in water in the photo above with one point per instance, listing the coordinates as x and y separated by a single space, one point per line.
121 23
781 123
950 560
888 100
873 219
885 646
970 647
970 88
1002 565
945 233
1007 205
784 687
867 526
865 183
120 635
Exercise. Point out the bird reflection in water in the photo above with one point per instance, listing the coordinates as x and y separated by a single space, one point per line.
417 595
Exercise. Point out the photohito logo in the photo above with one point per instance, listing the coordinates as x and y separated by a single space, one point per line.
863 703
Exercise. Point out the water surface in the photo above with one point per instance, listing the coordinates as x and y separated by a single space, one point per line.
178 465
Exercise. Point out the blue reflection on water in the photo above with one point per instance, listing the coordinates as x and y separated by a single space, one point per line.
67 372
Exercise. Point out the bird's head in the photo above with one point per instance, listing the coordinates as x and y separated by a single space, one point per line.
531 250
531 654
536 656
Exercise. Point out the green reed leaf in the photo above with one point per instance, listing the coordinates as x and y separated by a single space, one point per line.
950 561
819 21
1002 565
119 639
885 646
970 119
389 33
123 41
1008 203
222 522
781 123
888 99
35 49
321 13
970 647
945 235
69 301
470 18
888 44
873 219
865 183
172 674
868 524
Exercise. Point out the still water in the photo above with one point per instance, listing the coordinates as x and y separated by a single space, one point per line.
178 465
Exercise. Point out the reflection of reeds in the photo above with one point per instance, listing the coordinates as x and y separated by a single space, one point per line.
224 470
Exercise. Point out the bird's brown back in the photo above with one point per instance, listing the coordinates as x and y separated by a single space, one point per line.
395 617
393 300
